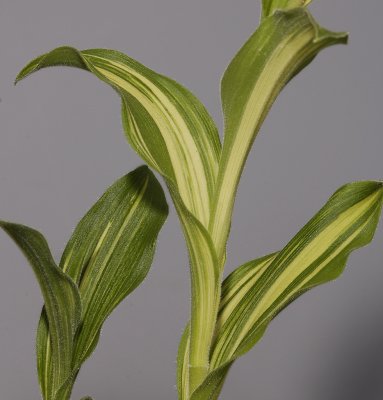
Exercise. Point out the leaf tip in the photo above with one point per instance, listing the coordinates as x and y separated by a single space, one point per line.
27 70
61 56
325 35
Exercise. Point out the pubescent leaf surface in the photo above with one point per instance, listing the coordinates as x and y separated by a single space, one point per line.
172 131
257 291
284 43
112 248
61 298
167 126
108 256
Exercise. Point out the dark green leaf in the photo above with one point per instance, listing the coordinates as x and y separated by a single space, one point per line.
108 256
62 305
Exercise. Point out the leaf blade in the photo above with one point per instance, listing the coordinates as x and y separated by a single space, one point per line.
121 258
107 260
258 277
190 158
284 43
172 131
317 254
62 304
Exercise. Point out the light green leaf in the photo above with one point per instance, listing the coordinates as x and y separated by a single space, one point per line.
234 289
108 256
284 43
62 302
258 290
205 288
270 6
172 131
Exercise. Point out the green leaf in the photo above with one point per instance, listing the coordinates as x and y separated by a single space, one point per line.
108 256
112 261
183 365
167 126
211 387
62 303
284 43
257 291
172 131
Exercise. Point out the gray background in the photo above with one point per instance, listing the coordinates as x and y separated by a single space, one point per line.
61 145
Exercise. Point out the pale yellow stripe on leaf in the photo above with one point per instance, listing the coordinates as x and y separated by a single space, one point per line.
206 298
185 371
263 307
308 255
318 246
249 123
141 141
99 243
47 362
229 305
115 241
333 256
192 185
67 259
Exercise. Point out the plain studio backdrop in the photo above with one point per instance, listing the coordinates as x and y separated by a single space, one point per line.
61 145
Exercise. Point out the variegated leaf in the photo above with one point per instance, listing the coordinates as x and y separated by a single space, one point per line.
257 291
172 131
182 365
284 43
108 256
112 249
167 126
